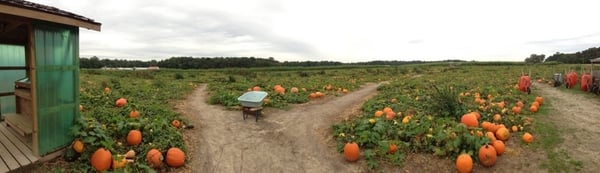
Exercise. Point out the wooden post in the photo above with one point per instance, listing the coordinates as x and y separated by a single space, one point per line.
30 60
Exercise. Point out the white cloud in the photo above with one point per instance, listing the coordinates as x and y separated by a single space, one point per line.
339 30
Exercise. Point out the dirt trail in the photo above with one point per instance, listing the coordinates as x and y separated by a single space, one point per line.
296 140
579 116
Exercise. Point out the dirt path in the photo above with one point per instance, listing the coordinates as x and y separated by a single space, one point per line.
296 140
579 117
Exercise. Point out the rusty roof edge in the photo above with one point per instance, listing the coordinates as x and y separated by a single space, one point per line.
47 9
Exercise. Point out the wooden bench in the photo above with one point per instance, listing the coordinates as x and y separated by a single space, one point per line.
21 124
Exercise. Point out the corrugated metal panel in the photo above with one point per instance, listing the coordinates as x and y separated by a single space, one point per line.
57 76
10 55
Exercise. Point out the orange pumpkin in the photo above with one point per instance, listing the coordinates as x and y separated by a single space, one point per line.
502 134
345 91
514 128
351 151
390 115
487 155
520 103
490 136
533 108
119 162
280 90
176 123
134 137
464 163
134 114
527 138
539 99
256 88
497 117
312 95
106 90
470 120
486 125
516 109
499 146
536 104
294 90
393 149
387 109
501 105
378 113
154 158
101 159
121 102
175 157
78 146
319 94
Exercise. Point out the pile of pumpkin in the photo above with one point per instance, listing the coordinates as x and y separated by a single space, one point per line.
102 159
488 153
313 95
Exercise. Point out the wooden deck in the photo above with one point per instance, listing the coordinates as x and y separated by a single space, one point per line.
14 150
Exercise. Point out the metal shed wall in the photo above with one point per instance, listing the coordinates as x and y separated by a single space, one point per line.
56 80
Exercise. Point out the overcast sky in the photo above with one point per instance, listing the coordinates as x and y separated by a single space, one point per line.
337 30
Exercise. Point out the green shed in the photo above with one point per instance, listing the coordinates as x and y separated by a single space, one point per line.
39 76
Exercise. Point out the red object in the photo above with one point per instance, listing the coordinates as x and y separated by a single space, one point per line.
571 79
524 83
586 80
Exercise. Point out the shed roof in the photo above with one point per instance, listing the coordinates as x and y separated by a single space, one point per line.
595 60
46 13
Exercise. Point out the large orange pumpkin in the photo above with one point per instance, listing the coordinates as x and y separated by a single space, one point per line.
101 159
536 104
351 151
175 157
502 133
256 88
134 114
134 137
527 138
154 158
499 146
464 163
121 102
487 155
470 120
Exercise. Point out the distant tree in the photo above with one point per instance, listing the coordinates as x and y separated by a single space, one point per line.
533 58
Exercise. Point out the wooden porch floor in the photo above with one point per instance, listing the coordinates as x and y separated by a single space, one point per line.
14 151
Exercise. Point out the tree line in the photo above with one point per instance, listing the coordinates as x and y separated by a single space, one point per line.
226 62
581 57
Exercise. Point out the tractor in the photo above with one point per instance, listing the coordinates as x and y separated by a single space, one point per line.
595 83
